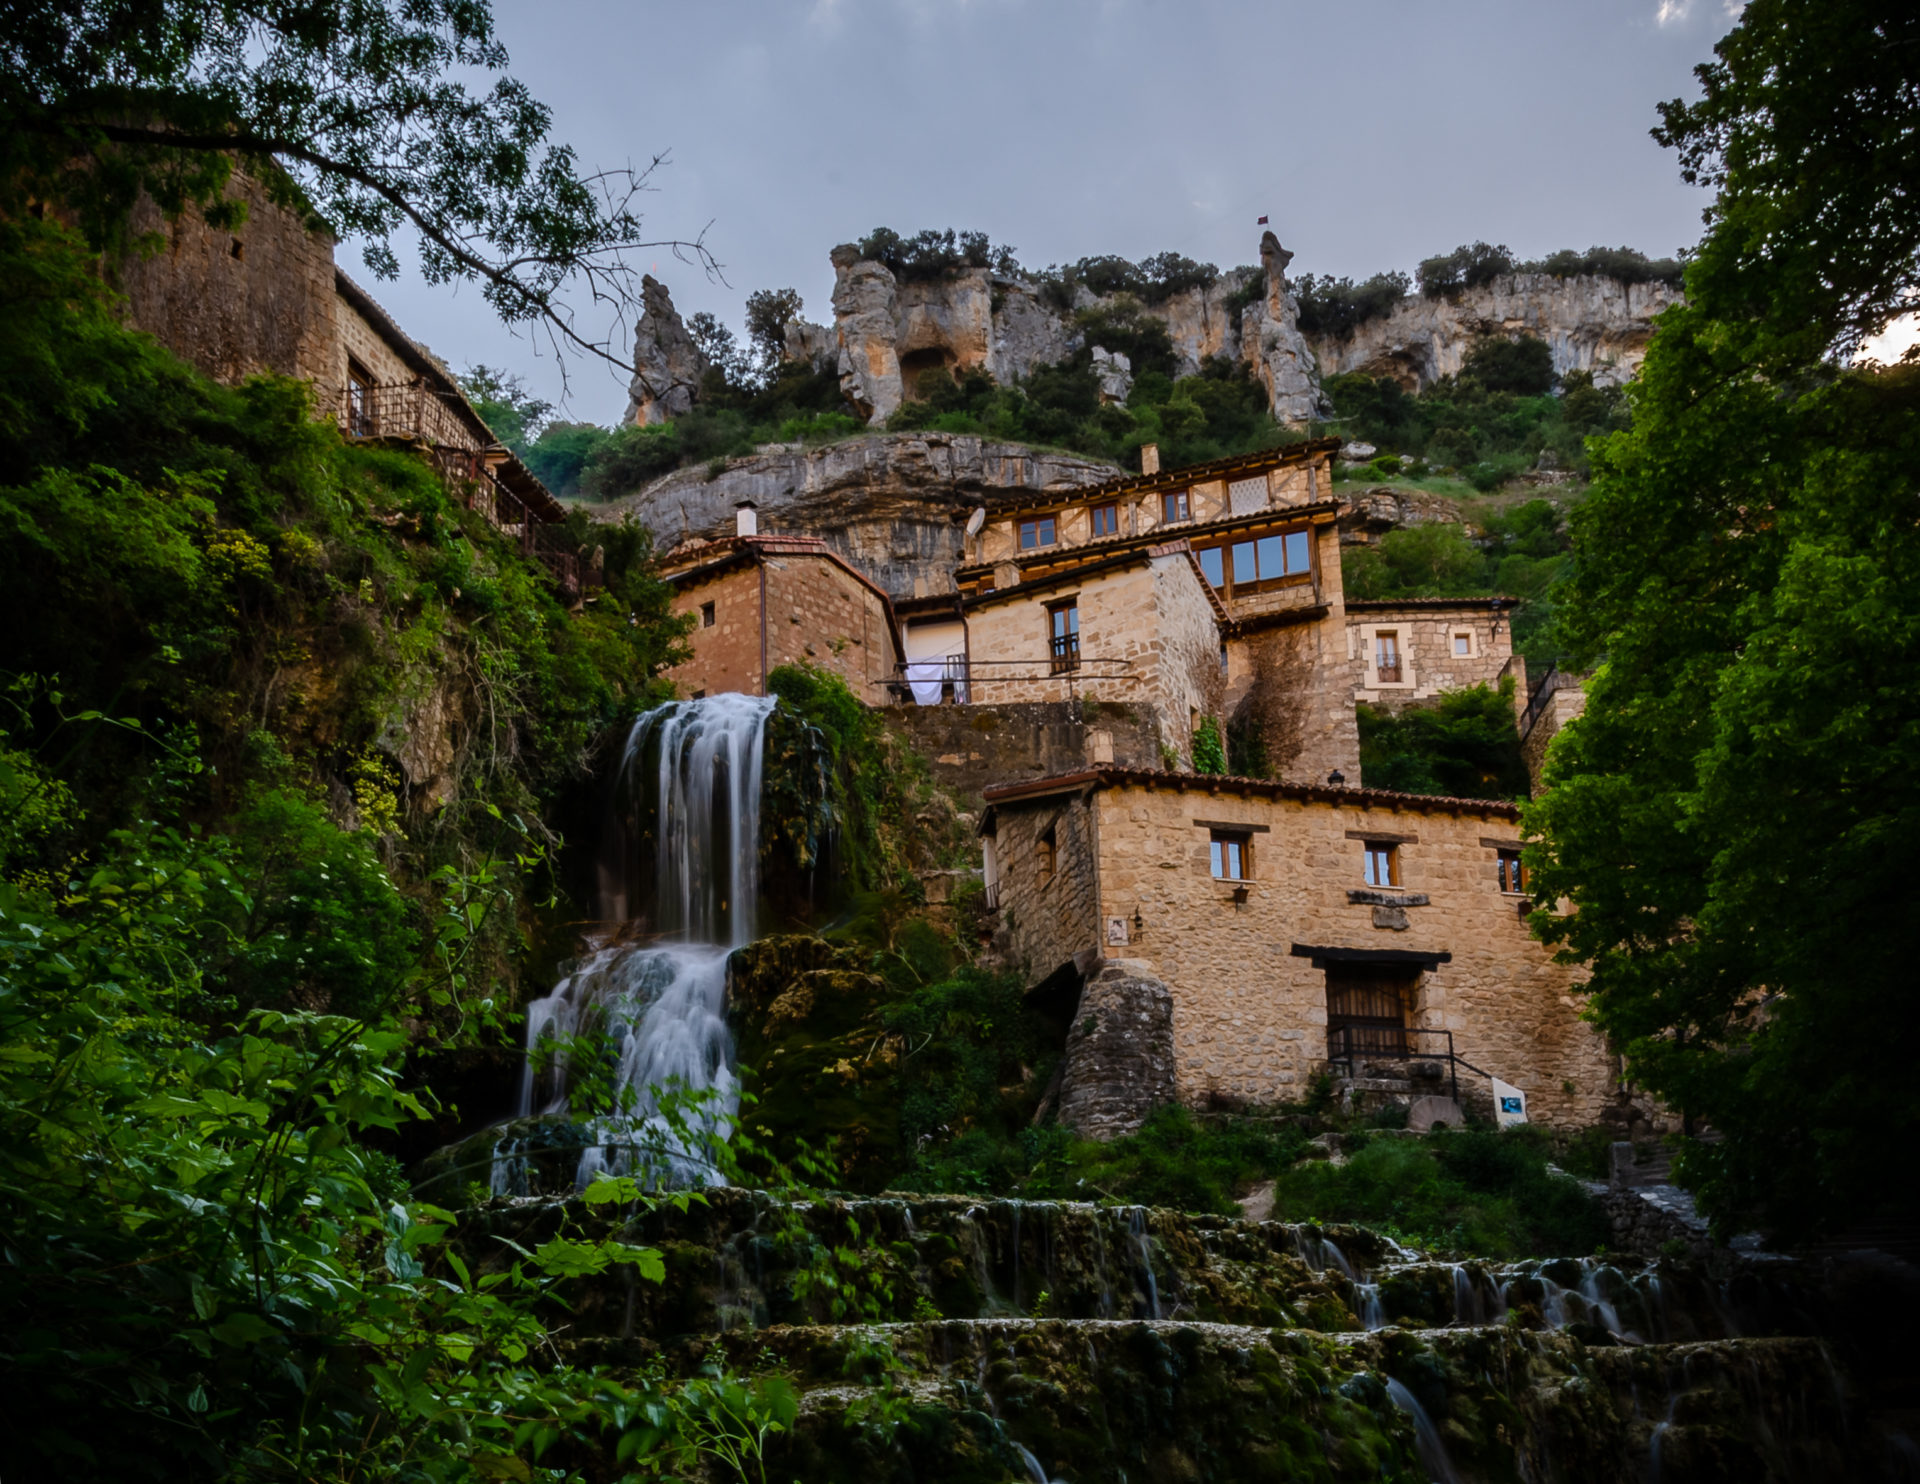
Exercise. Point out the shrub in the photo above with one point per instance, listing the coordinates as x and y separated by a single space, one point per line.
1621 263
1466 267
1209 756
1462 744
1339 306
934 254
1522 365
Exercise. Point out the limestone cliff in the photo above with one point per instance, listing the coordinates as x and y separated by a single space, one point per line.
1591 324
886 332
893 504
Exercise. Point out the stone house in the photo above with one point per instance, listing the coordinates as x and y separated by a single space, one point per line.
266 298
1413 649
1291 929
758 602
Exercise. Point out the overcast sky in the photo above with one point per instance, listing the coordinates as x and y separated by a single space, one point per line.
1372 132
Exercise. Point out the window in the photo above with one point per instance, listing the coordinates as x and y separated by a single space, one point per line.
1263 560
1173 505
706 615
1232 855
360 420
1037 532
1043 855
1106 520
1383 863
1223 656
1513 876
1063 635
1386 657
1463 645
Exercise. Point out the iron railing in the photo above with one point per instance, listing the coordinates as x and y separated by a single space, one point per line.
1550 684
959 677
1387 667
1065 653
1351 1044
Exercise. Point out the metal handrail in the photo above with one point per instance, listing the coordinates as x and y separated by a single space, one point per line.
1551 683
1341 1047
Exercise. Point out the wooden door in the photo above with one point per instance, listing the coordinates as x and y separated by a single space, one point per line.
1367 1010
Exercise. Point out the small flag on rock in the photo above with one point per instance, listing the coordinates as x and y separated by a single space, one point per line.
1262 222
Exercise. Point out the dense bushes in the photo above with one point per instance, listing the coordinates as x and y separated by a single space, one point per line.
934 254
1477 264
1472 1191
1338 306
1461 744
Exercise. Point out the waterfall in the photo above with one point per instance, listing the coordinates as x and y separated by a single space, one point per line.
679 889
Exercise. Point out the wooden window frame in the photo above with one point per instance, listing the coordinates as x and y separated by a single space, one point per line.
1063 649
1383 640
1233 587
1039 525
1176 500
1454 636
707 616
361 419
1513 873
1111 510
1380 858
1226 848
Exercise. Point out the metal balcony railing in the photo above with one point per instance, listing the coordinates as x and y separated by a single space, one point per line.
1065 653
961 680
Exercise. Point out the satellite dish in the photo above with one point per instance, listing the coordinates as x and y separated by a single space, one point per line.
976 521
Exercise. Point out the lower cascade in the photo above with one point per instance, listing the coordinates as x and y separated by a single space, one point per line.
679 888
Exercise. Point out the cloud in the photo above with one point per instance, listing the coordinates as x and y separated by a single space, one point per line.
1672 12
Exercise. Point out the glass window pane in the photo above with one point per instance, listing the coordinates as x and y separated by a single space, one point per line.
1026 534
1219 867
1214 564
1299 553
1272 563
1373 868
1046 531
1243 562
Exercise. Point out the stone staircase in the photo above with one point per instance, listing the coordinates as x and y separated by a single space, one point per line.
997 1339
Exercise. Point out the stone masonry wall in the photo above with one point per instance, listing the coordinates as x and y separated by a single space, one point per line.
816 614
1131 616
1119 1062
1563 708
1249 1017
1428 665
1188 682
237 303
1048 923
971 748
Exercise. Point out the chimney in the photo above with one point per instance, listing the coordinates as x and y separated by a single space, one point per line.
746 520
1149 458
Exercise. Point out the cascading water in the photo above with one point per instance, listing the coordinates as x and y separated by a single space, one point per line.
680 885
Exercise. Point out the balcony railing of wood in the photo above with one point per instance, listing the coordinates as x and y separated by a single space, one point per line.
960 678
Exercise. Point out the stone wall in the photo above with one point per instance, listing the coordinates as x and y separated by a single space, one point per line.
237 303
1429 664
972 748
815 614
1566 703
1148 638
1118 1064
1048 922
1249 1016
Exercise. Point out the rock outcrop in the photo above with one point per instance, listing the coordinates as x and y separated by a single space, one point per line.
667 365
893 504
887 333
1590 324
1119 1056
864 305
1271 338
1114 372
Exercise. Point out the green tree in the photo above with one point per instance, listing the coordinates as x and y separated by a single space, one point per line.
514 414
1728 817
383 118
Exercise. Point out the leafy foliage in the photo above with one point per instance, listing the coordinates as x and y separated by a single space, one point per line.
1474 1191
1461 744
1471 266
934 254
1523 551
371 115
1622 264
1339 306
1805 127
1722 815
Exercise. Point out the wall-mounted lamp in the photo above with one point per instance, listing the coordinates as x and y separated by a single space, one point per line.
1336 778
1139 923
